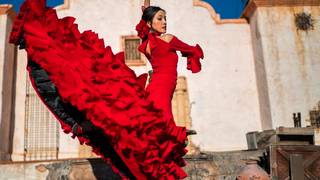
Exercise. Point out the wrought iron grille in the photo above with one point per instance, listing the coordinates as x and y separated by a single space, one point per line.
41 129
132 54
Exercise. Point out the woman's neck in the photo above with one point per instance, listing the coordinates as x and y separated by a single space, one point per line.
156 32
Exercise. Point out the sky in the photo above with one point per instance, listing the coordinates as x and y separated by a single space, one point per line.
226 8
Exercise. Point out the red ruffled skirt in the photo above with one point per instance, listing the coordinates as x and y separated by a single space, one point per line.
88 87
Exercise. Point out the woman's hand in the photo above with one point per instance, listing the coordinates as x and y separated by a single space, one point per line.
145 5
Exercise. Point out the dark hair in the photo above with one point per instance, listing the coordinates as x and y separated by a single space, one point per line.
149 13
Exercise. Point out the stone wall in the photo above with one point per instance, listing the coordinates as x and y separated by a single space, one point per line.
287 62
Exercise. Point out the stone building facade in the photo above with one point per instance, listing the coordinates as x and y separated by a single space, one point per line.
257 70
286 58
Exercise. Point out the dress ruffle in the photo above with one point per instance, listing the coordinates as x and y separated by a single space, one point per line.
193 59
193 54
100 85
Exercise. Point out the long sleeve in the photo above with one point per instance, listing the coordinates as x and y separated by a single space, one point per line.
193 54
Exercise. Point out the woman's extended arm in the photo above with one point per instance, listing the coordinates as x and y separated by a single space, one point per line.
193 53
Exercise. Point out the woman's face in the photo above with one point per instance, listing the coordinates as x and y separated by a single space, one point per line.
159 22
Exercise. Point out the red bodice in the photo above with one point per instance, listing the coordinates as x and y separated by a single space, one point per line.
163 59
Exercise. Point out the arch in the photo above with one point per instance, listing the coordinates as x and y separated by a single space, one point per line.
215 16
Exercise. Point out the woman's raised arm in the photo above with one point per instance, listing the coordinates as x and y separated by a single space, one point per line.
145 4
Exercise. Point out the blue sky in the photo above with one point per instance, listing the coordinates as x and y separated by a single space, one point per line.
226 8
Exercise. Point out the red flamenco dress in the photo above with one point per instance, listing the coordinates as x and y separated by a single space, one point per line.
94 95
164 60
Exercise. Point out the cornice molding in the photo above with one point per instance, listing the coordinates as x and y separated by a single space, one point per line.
7 9
215 16
254 4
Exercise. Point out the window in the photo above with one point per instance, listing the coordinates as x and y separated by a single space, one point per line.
130 46
41 129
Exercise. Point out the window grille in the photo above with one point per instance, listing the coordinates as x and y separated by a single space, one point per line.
41 129
130 46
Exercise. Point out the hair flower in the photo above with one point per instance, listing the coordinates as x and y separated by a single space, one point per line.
142 29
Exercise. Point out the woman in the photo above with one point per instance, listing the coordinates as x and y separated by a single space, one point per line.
160 49
99 99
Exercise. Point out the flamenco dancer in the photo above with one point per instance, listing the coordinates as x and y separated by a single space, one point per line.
99 99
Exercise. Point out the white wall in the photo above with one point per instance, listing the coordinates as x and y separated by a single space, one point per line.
19 128
292 62
3 27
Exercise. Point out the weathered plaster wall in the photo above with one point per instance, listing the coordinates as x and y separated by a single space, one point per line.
7 72
261 79
290 60
3 24
20 109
